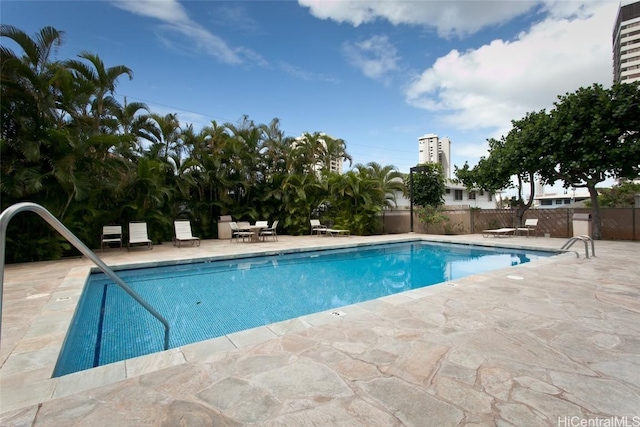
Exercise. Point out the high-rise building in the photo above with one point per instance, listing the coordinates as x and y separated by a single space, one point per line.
626 44
435 150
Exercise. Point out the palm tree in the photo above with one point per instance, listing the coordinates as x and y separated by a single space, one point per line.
164 134
357 198
28 99
148 193
247 166
212 198
331 150
389 182
33 72
300 195
274 147
303 150
133 121
185 176
40 160
101 81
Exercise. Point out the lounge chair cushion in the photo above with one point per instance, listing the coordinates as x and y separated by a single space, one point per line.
499 232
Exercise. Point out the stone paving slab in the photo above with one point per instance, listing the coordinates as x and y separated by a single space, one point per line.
531 345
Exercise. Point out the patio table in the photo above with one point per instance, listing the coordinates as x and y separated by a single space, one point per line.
255 237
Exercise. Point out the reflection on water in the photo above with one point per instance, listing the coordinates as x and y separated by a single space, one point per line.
206 300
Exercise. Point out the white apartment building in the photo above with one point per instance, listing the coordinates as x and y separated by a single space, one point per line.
435 150
553 200
626 44
458 195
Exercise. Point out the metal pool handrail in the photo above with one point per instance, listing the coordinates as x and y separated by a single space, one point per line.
6 216
583 238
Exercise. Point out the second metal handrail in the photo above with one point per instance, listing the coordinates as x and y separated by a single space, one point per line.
584 239
67 234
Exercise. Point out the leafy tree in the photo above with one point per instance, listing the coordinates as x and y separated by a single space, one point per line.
518 155
589 136
428 185
594 135
619 196
427 192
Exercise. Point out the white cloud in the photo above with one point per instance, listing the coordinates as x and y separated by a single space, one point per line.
235 16
168 11
176 19
375 56
471 150
305 75
449 18
489 86
254 57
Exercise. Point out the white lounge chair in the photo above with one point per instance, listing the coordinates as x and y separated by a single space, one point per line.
111 234
499 232
529 225
337 232
183 233
270 231
236 232
316 227
138 235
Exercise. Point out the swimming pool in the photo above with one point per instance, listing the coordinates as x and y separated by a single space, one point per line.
209 299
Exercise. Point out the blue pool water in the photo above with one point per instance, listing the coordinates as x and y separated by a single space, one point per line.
210 299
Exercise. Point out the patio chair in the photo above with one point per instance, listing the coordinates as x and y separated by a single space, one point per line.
138 235
111 234
243 225
236 232
317 227
529 225
270 231
183 233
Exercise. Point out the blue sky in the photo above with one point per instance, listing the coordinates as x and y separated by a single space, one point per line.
377 74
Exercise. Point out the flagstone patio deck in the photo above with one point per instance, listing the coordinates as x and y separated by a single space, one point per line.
545 343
